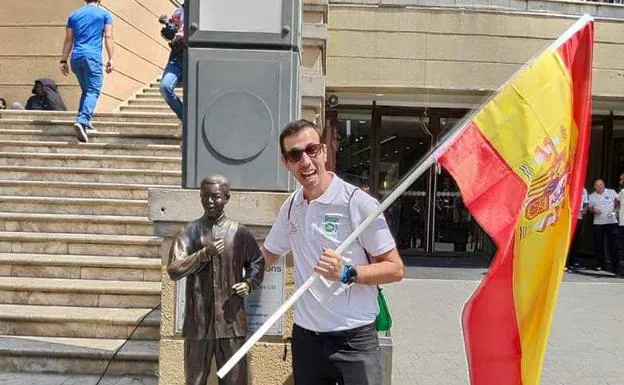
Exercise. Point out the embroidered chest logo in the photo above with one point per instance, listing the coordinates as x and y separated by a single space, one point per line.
330 224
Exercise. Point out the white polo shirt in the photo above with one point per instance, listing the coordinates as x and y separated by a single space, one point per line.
604 202
324 223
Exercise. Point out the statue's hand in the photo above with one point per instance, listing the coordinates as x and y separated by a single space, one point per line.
242 289
215 248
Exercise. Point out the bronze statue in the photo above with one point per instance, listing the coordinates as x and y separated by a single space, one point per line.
212 252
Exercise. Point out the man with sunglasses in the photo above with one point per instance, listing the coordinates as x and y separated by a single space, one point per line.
334 339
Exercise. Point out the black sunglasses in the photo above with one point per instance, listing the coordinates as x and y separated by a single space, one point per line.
295 155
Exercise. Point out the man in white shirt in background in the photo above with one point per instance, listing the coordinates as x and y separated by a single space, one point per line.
572 262
620 204
602 204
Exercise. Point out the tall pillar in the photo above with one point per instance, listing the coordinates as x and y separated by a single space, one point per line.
255 207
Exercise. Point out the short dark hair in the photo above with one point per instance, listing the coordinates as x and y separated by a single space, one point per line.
91 1
217 179
3 102
295 127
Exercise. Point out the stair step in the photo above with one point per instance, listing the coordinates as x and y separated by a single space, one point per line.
66 126
63 205
98 137
78 244
142 108
89 160
78 322
91 174
148 101
166 150
12 378
153 95
154 91
77 189
80 267
79 292
75 223
77 355
140 117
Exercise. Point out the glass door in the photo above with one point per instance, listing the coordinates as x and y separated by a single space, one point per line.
352 138
402 141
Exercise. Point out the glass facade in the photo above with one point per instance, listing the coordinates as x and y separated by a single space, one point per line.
377 146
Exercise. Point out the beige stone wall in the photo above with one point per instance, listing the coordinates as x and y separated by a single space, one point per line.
31 41
312 80
397 49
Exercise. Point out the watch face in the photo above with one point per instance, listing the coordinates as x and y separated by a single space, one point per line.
352 274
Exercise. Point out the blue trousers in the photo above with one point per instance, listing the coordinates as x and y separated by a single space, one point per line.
90 74
171 78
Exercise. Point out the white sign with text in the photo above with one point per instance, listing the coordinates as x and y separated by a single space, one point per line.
263 302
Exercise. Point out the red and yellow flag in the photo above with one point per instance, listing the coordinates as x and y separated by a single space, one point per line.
520 165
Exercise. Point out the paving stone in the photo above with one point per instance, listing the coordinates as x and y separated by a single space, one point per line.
584 347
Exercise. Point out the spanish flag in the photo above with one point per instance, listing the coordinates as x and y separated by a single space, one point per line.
520 164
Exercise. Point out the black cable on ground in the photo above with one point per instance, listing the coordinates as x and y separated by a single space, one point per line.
110 360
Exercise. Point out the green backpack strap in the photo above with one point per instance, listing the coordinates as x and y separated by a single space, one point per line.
383 322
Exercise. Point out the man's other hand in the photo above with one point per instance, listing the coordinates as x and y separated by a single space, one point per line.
109 66
64 69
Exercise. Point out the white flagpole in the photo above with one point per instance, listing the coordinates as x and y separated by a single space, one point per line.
427 161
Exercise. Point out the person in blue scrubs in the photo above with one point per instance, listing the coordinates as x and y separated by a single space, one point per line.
87 28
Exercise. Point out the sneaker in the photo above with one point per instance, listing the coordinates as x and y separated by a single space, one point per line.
598 268
90 129
80 133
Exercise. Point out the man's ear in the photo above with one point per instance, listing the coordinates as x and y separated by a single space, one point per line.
284 162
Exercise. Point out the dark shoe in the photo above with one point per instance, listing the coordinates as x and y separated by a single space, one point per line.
81 133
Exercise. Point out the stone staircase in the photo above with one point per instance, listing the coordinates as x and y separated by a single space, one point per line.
79 266
148 100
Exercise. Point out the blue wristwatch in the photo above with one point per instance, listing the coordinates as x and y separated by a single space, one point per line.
349 275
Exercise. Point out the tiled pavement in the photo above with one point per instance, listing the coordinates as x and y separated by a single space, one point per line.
586 345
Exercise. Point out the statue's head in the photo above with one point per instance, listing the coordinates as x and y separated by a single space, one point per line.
215 194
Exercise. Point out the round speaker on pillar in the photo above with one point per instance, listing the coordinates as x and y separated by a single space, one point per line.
238 125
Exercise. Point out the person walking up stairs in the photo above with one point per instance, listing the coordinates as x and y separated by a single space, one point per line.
86 28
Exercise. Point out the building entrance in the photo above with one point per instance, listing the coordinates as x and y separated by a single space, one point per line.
374 147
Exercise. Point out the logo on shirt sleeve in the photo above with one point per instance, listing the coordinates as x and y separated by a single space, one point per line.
292 227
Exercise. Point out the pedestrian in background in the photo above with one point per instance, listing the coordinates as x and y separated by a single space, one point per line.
173 74
86 28
620 234
602 205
